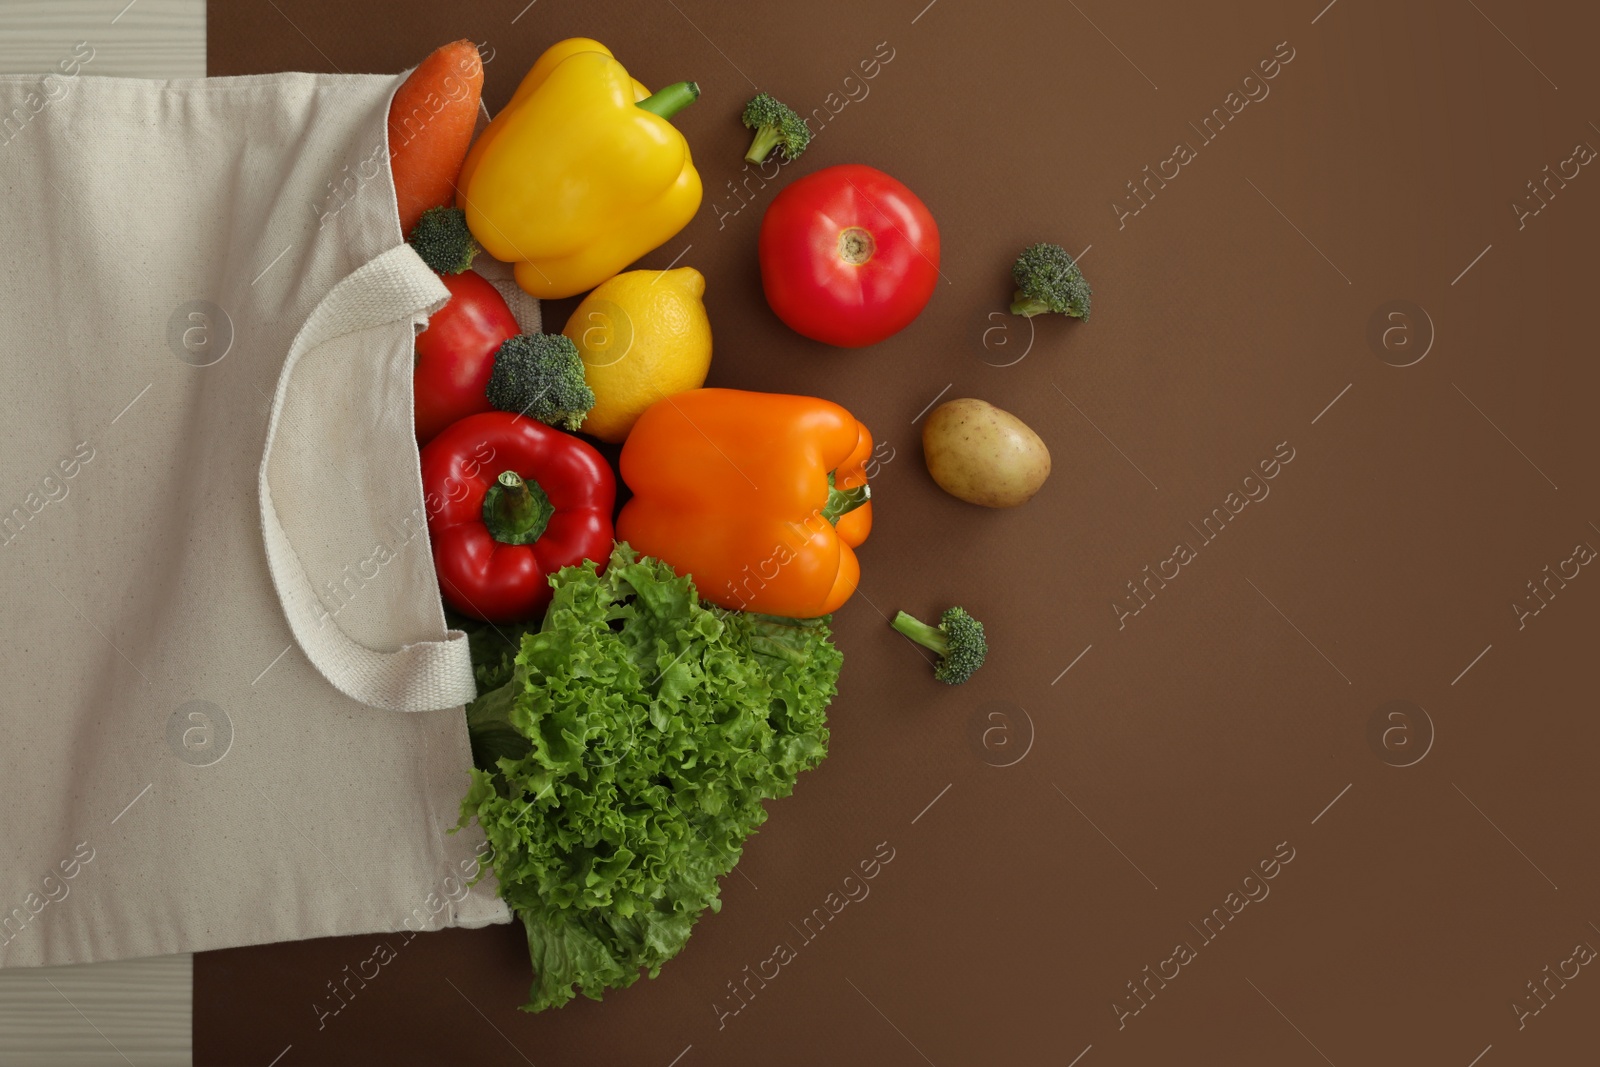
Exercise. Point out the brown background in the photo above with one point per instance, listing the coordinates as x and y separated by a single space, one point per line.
1211 727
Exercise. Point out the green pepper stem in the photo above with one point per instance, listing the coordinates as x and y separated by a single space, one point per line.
516 511
669 101
843 501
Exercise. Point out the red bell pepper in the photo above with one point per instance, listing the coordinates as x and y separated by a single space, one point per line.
455 354
510 502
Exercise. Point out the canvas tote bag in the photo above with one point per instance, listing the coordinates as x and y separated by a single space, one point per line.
230 708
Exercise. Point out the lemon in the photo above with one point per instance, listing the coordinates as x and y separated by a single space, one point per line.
643 335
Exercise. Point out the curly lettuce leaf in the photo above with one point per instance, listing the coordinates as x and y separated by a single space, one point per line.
625 759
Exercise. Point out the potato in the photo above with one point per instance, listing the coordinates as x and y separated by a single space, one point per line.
983 455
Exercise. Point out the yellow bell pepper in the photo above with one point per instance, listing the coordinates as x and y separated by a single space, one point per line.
581 173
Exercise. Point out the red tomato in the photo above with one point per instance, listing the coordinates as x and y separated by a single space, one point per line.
456 353
849 256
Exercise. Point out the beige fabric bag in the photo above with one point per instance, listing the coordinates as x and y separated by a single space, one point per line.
229 704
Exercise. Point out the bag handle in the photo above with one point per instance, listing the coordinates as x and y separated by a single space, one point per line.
393 287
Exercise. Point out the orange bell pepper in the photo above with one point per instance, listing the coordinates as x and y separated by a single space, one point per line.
760 497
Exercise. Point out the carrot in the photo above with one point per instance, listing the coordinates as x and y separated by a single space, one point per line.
431 120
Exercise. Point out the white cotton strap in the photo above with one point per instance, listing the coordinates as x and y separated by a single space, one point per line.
395 286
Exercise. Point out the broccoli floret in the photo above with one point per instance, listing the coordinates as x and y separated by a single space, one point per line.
541 375
1049 280
443 241
776 126
958 639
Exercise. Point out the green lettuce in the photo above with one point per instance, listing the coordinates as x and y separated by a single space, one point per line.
625 759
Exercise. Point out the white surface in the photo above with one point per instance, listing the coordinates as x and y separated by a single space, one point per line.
148 39
133 1011
112 1014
